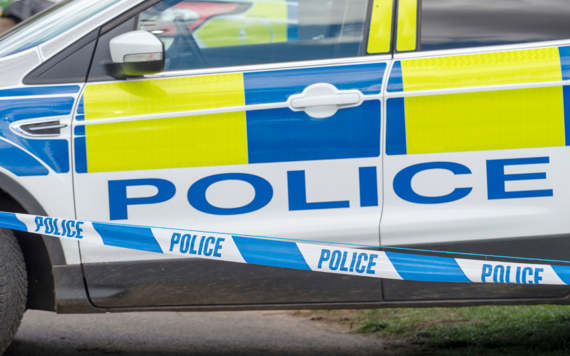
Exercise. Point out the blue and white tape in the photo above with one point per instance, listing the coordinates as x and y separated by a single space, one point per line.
287 254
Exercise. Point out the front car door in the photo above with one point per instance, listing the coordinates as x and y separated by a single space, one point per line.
477 129
237 135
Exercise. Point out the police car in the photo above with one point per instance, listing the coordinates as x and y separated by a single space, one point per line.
437 124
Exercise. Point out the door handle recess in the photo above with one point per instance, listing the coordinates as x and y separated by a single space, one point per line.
338 100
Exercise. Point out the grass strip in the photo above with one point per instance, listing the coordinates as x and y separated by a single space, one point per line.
489 330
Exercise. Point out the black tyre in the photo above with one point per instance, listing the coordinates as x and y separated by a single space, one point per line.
13 287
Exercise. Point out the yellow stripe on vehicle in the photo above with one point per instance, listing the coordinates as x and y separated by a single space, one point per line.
380 34
131 98
512 67
264 22
193 141
407 25
494 120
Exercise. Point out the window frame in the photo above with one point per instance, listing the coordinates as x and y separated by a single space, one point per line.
136 10
419 53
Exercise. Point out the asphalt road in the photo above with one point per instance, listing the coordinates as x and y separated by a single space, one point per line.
170 333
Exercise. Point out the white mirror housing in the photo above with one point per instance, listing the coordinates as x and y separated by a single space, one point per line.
136 53
134 43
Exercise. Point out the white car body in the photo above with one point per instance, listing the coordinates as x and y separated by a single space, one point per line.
350 199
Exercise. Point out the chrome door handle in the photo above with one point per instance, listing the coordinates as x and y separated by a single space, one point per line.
324 100
338 100
47 128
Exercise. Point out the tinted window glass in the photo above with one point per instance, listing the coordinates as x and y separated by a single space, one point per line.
448 24
201 34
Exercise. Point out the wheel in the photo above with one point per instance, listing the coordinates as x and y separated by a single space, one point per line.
13 287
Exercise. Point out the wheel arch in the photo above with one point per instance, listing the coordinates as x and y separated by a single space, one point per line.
41 253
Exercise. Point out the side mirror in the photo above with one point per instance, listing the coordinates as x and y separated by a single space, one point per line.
135 53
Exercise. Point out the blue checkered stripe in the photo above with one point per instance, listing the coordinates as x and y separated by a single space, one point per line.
287 254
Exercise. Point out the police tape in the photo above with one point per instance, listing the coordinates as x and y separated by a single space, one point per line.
288 254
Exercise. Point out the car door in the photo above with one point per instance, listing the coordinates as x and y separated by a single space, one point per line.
240 135
477 129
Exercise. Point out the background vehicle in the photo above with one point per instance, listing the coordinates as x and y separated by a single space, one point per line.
5 23
457 142
13 12
3 5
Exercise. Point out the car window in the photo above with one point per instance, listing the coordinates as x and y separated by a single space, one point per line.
201 34
49 24
448 24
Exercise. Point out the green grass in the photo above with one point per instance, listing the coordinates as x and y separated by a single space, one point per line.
494 330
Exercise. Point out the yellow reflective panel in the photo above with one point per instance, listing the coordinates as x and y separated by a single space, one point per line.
513 67
257 33
492 120
407 25
193 141
220 33
111 100
380 27
264 22
268 10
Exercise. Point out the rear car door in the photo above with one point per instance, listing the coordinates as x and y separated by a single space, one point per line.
477 135
240 135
